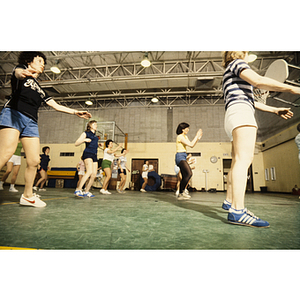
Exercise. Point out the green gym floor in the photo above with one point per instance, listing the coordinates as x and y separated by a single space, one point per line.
152 220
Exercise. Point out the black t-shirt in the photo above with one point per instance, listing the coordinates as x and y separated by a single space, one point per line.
27 95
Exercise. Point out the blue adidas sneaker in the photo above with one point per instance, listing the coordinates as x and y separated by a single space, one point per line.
88 194
226 205
78 194
246 218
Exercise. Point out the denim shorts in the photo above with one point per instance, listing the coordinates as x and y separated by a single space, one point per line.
179 157
14 119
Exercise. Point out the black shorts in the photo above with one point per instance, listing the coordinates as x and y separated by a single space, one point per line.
93 156
124 171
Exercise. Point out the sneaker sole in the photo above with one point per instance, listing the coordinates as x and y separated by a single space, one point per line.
26 203
248 225
79 196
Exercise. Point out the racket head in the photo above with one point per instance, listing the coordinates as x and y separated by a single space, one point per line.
278 70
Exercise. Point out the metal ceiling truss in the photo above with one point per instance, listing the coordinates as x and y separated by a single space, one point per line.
65 87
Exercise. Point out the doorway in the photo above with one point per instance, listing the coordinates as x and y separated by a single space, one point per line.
136 171
226 168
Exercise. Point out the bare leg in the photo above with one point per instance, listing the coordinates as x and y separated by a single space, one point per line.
9 167
92 176
31 146
43 178
88 162
107 178
123 180
15 174
9 138
145 183
243 143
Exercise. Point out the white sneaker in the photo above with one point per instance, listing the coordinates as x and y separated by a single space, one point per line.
142 190
183 196
13 189
177 193
34 188
102 191
107 193
186 192
33 201
1 186
42 190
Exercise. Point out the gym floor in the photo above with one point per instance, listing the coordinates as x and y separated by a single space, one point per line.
152 220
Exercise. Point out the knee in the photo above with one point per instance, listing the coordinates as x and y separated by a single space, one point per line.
33 162
93 175
244 159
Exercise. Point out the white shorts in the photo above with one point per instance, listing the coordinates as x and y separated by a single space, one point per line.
81 173
237 115
16 160
145 175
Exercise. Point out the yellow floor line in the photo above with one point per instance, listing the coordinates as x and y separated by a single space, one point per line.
16 248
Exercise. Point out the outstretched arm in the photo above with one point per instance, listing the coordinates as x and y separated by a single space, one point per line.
266 83
284 113
61 108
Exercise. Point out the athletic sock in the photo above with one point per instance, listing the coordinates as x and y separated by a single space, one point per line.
12 185
236 211
227 202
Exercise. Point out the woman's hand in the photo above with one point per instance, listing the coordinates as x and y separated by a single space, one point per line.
284 113
83 114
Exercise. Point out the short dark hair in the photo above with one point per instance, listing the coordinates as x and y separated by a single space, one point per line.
298 127
107 142
122 150
45 148
26 57
180 127
146 160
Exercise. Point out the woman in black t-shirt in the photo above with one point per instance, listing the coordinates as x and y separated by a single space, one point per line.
18 118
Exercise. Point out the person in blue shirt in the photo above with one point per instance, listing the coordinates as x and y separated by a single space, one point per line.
240 126
89 157
45 159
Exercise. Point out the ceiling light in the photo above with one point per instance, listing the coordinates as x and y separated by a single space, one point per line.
154 99
146 62
55 69
252 58
88 102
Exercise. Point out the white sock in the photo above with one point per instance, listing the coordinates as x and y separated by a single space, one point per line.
227 202
12 185
236 211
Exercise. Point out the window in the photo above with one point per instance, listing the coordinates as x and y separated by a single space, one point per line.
267 177
273 174
67 153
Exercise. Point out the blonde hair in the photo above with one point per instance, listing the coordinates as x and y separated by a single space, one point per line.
88 126
229 56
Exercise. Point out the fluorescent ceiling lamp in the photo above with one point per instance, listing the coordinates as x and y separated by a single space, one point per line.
55 69
252 58
88 102
154 99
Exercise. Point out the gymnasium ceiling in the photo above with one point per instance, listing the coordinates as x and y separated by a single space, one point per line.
117 79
